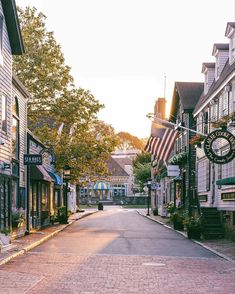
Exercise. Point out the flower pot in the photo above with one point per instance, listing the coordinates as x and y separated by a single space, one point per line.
100 206
178 225
194 233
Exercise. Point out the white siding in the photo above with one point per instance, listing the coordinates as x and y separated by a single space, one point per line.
6 88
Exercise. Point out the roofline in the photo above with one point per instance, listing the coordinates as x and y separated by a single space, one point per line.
19 86
13 26
216 92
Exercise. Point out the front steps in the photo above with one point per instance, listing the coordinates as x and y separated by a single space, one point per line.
213 226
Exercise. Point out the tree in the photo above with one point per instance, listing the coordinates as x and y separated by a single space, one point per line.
127 141
142 168
83 142
41 68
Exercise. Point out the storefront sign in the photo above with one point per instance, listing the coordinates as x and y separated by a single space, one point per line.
212 146
228 196
173 170
35 159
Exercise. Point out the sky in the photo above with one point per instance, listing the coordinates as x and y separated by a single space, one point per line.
128 53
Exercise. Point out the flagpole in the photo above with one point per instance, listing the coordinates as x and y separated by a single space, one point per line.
151 115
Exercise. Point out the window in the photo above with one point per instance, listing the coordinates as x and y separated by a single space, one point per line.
15 129
4 113
203 176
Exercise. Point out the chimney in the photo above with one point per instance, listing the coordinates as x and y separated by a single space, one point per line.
160 108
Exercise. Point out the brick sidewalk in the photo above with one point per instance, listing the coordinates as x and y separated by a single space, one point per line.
21 245
223 247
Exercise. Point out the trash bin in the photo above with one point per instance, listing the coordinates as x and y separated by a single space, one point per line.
100 206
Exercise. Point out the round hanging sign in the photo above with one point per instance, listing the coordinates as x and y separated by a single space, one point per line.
213 143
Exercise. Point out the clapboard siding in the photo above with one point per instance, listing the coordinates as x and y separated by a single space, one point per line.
6 88
22 103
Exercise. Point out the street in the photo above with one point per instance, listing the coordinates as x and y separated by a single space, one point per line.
118 251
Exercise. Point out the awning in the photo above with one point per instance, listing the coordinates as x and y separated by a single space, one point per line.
57 179
38 172
226 181
100 186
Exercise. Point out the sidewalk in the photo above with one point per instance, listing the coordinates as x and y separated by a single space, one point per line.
222 247
22 245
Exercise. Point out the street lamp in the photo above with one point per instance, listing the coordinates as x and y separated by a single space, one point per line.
147 188
149 194
66 178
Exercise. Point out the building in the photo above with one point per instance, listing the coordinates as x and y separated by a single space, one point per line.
215 111
12 117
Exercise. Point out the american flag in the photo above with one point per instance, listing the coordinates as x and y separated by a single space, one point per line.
161 141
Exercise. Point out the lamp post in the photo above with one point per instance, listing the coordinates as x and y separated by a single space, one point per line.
149 194
147 188
66 178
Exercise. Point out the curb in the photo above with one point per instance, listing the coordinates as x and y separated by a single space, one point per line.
37 243
183 234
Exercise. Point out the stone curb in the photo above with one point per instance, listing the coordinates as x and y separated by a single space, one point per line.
185 235
37 243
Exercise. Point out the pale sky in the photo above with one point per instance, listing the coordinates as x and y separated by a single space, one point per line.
120 50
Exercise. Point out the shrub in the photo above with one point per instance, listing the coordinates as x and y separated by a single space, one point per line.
170 207
62 215
18 217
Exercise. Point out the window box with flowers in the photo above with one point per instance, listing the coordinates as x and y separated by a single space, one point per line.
223 121
196 140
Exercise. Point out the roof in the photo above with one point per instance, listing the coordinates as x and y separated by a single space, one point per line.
220 46
122 161
115 169
13 27
230 28
206 65
227 70
188 93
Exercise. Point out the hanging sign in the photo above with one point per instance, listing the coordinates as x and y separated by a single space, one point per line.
213 143
32 159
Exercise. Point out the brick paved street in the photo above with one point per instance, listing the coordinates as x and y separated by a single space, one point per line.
89 257
69 273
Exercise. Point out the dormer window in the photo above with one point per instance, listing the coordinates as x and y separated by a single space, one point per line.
233 48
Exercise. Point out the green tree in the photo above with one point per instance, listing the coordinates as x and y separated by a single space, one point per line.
127 141
41 69
142 168
55 103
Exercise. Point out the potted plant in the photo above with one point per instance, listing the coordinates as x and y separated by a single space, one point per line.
62 215
170 207
178 221
155 211
194 227
196 140
18 217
